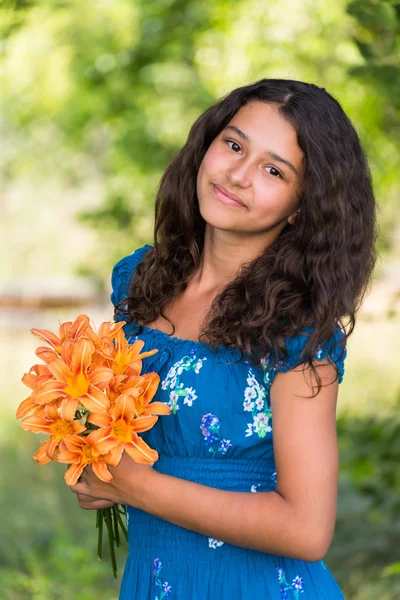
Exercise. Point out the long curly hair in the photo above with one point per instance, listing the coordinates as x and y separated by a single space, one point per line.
316 272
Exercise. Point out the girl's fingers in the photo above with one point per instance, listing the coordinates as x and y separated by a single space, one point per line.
89 503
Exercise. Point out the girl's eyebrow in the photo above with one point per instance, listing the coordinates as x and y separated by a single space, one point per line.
269 153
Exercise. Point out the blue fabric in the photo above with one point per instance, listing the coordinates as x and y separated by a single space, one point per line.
219 434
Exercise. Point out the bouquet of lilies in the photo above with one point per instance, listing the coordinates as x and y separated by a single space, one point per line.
90 398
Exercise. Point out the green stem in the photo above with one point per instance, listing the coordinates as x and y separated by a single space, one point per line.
111 539
99 525
121 523
115 524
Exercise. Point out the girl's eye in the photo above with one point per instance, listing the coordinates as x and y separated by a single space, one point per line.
275 172
233 145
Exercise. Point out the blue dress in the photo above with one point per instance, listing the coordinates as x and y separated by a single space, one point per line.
202 441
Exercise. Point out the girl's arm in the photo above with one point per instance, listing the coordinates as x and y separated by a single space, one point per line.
297 520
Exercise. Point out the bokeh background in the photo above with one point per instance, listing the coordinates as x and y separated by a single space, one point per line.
96 97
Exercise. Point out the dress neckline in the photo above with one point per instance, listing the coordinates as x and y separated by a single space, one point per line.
157 333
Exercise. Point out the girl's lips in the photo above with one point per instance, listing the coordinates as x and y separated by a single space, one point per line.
225 197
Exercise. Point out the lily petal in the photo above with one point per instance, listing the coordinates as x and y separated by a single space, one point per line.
74 472
41 455
157 408
114 456
46 354
47 336
144 423
79 326
101 377
81 356
36 424
99 419
141 452
59 369
25 407
68 408
51 390
100 469
95 400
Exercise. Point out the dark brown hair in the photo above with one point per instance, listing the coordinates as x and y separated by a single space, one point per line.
314 275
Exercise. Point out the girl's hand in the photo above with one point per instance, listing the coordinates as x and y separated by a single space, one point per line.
130 481
90 503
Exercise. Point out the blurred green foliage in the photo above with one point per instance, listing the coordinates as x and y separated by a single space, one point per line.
107 90
48 544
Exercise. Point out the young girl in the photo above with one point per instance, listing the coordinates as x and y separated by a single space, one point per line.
263 248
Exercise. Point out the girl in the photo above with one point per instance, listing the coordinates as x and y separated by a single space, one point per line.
263 249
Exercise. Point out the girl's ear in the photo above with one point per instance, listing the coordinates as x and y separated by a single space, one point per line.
292 217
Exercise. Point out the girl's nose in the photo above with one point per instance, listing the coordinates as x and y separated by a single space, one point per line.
240 174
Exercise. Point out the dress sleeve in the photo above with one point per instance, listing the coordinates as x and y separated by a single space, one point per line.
334 350
122 274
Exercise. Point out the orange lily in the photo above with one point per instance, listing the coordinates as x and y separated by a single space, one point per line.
81 452
124 356
142 388
53 425
119 430
106 329
26 407
41 455
103 340
143 403
75 383
36 376
67 331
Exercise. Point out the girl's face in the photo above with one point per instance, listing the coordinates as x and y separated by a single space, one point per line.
257 161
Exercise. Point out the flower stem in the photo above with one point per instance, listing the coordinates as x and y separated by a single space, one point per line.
121 523
111 539
115 524
99 525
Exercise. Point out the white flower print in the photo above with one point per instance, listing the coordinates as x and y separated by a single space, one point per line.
171 372
260 409
176 387
213 543
248 405
250 429
261 424
254 487
318 354
173 396
190 396
260 403
199 364
251 380
250 393
173 402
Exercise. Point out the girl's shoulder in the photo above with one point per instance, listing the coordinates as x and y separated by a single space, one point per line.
332 349
123 272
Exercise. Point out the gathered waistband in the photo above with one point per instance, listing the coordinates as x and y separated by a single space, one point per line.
149 534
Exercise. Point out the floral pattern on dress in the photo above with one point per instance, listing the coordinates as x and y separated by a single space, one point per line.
256 402
176 387
165 588
213 543
254 488
294 589
210 425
